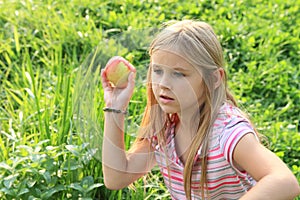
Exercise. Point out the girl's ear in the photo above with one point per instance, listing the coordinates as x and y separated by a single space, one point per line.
218 76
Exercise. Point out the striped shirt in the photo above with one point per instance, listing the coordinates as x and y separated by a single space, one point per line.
225 181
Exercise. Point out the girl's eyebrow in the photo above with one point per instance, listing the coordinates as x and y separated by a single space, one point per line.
175 68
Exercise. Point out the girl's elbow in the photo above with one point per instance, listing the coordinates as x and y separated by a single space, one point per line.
294 186
112 184
113 180
297 188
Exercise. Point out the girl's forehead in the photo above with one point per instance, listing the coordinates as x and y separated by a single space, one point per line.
169 58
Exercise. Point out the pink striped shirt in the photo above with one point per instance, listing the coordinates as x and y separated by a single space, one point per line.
225 181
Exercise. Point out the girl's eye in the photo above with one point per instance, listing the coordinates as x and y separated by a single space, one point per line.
178 74
157 71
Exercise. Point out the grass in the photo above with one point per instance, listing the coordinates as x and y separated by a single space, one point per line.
51 98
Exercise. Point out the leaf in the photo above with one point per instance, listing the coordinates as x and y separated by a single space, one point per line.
33 198
8 192
72 164
27 74
87 181
30 183
47 177
30 92
19 161
22 191
96 185
76 186
280 154
86 198
12 137
43 142
37 191
25 148
73 149
49 164
9 180
3 165
47 194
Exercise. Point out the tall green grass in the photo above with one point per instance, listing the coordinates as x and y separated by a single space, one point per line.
51 99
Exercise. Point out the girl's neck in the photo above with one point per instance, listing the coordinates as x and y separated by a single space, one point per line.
186 129
189 123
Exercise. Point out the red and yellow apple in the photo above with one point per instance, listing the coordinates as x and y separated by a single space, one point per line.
117 70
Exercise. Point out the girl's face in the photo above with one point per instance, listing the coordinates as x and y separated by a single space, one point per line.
176 84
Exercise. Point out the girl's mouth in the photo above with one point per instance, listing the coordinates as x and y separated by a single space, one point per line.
165 99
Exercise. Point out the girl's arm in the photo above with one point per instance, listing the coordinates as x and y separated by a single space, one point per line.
120 168
274 179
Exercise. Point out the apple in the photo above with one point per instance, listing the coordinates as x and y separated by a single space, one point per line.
117 70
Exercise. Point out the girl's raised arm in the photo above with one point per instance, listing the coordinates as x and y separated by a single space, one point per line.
274 179
120 168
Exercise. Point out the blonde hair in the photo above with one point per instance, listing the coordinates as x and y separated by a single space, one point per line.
199 45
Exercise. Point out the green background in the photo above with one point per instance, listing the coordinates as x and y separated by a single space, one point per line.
51 99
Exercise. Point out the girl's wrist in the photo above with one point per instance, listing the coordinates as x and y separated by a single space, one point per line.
116 106
115 110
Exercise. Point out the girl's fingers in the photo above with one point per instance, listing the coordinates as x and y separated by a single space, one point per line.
131 79
105 82
103 75
118 95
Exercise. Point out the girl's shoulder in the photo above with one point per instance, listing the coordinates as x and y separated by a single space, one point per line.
230 115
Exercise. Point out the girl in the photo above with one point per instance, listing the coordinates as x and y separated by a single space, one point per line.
192 129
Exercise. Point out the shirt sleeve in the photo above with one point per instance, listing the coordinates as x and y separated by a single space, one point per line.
233 132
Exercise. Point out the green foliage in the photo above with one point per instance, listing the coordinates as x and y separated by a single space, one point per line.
42 171
51 99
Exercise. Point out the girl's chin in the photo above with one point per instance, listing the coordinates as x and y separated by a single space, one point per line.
169 110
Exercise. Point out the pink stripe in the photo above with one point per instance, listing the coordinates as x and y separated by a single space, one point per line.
224 164
224 183
215 149
173 171
172 177
231 144
220 179
214 157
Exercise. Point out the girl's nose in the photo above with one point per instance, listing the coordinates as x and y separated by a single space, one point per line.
165 82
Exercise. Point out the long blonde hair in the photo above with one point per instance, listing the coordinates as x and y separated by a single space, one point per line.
199 45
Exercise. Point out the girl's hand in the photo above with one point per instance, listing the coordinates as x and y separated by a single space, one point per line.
117 98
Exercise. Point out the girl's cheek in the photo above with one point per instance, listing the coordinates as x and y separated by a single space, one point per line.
155 80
